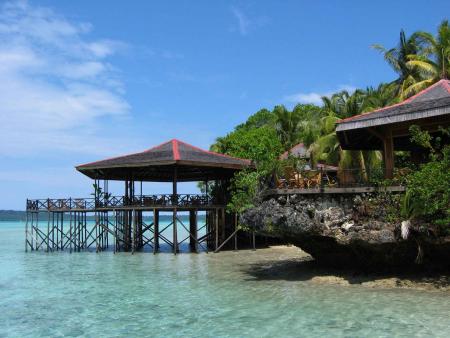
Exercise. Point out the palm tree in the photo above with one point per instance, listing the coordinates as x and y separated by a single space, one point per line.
433 64
327 147
398 58
382 96
287 125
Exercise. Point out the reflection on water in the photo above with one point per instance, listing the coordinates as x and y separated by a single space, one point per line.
207 295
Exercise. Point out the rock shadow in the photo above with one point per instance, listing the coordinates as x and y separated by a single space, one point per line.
307 269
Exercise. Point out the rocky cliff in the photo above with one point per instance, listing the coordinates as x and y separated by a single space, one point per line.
355 230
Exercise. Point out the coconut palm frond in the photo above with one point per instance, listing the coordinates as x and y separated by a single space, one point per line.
426 68
416 87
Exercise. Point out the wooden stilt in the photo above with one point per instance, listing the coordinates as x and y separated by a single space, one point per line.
216 228
62 231
26 230
175 204
222 225
133 236
155 231
193 231
235 231
253 240
175 232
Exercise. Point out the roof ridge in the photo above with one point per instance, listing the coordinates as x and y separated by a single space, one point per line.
176 153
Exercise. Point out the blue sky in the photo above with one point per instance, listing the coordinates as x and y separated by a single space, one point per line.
83 80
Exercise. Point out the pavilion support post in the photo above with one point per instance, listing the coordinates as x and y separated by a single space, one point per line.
388 155
193 239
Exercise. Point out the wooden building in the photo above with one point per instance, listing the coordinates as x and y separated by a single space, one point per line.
387 129
121 218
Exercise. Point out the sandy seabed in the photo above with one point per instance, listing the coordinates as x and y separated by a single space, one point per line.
292 264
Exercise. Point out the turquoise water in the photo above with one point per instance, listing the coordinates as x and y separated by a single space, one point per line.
204 295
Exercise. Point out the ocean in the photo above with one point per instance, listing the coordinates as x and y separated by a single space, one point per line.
89 294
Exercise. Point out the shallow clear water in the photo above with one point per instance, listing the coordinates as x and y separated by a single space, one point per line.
204 295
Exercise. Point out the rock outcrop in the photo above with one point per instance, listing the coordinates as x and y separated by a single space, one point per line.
346 230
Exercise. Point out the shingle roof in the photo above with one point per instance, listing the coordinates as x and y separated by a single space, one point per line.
433 101
298 150
173 151
155 162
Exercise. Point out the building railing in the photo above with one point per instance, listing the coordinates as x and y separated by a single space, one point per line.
111 202
316 179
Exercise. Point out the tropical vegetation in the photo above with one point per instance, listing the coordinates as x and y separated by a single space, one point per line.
419 60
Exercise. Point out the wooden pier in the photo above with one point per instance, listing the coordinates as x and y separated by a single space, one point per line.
120 225
131 222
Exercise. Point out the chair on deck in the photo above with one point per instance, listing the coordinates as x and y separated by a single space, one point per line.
291 177
328 180
314 180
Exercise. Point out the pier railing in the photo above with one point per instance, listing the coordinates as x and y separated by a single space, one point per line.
113 202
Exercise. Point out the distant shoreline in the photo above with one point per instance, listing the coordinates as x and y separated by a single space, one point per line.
21 216
12 215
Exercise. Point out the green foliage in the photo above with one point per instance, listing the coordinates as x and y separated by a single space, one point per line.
429 187
428 194
420 137
258 144
256 139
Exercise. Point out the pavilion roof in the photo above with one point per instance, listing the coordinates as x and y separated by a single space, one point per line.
430 102
298 150
429 108
157 164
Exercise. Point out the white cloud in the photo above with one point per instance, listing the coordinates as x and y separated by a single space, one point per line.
242 20
244 23
55 82
315 97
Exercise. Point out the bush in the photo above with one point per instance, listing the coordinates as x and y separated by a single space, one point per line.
428 191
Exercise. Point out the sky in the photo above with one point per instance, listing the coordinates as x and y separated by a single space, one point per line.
83 80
